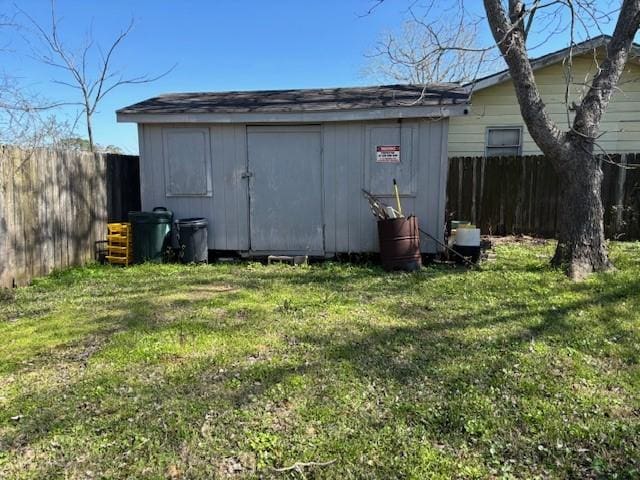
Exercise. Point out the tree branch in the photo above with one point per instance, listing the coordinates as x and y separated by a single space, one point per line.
511 41
593 105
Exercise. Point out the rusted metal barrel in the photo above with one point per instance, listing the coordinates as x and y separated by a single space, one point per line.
399 240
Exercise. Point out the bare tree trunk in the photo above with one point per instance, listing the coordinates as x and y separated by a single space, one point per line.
581 245
90 132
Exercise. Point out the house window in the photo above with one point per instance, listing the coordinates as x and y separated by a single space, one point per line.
504 141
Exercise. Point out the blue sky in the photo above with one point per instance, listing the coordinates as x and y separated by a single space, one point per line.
216 44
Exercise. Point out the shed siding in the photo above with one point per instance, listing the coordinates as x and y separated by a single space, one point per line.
497 106
349 225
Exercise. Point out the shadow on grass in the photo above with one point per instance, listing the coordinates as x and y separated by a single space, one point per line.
437 350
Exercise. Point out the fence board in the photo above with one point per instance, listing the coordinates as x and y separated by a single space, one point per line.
520 195
63 207
7 221
631 202
54 206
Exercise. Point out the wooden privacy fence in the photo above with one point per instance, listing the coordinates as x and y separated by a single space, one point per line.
54 205
519 195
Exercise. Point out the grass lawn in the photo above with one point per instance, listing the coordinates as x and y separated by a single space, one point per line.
224 371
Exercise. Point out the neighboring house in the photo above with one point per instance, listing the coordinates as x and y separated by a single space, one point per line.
283 171
494 125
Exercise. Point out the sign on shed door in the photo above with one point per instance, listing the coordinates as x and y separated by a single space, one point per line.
391 155
285 189
388 153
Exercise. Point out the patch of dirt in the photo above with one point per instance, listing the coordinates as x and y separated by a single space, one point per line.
198 293
92 345
282 414
239 466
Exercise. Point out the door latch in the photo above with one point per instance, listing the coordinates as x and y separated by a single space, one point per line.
247 174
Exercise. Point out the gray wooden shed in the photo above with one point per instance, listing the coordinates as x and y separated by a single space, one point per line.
282 171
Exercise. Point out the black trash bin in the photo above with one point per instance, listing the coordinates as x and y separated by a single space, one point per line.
192 238
150 234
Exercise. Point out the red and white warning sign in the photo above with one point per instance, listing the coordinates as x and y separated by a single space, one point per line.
388 154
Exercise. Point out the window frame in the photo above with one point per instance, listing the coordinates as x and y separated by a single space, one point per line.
487 147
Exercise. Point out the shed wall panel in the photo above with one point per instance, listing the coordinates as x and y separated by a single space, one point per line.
348 155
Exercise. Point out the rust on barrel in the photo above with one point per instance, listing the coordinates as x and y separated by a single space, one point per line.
400 244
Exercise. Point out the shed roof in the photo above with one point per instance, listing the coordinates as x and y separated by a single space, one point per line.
306 100
302 106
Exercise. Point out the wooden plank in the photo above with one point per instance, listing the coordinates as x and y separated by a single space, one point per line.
14 225
7 223
30 204
63 207
549 198
39 197
90 210
80 230
37 245
112 188
54 215
631 215
474 190
94 178
531 200
610 177
101 189
4 229
493 210
69 206
520 203
88 174
22 263
452 188
465 179
48 257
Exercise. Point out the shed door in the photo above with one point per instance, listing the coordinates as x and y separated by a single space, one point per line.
286 189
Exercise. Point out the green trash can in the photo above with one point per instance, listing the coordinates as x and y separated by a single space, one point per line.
151 234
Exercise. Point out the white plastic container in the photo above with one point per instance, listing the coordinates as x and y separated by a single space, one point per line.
468 237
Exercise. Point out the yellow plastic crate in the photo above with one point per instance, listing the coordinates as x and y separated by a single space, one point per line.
118 260
118 240
117 249
119 244
122 228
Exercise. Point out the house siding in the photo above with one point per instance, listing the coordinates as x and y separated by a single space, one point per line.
497 106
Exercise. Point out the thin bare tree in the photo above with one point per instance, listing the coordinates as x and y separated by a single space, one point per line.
413 55
87 69
26 118
573 149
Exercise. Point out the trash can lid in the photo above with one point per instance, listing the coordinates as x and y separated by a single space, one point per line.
192 222
160 216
